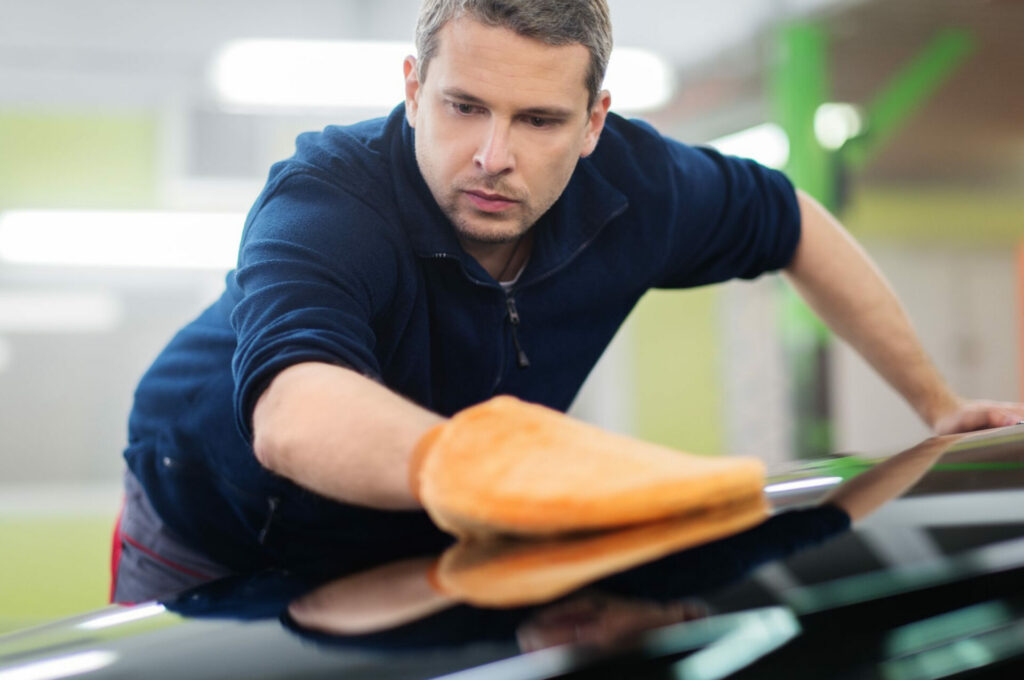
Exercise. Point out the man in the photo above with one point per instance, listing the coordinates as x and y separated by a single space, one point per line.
486 238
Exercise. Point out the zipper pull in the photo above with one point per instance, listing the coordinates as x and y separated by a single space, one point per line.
272 504
513 317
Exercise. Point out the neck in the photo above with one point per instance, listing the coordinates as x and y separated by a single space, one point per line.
501 260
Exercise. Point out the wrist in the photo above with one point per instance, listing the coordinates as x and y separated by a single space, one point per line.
939 407
419 455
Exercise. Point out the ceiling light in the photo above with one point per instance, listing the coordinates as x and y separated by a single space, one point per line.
58 312
639 80
120 239
835 123
333 75
310 74
766 143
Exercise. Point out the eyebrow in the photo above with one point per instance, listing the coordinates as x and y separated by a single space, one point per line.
543 111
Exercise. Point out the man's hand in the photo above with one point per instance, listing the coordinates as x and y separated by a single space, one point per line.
506 466
979 415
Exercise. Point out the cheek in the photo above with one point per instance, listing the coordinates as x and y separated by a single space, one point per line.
450 147
556 167
429 152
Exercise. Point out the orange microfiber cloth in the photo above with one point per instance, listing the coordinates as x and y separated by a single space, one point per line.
509 467
517 572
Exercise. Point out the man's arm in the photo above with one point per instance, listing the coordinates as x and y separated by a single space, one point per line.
340 434
838 280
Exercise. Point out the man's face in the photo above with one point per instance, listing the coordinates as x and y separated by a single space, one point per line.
501 121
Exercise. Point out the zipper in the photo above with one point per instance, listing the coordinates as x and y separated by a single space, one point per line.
522 360
510 302
272 504
510 313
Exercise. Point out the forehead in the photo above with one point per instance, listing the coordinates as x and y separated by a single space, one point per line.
497 63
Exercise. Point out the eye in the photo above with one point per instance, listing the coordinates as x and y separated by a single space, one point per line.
464 109
541 122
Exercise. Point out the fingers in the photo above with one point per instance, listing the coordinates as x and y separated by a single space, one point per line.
1007 418
1003 414
980 416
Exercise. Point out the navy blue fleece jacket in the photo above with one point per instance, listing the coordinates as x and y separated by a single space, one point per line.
347 259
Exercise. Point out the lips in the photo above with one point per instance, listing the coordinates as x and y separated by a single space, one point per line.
491 203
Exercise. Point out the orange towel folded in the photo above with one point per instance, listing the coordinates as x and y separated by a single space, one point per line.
509 467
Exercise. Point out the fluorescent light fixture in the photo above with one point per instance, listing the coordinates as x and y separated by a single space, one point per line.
310 74
323 74
766 143
58 312
61 667
125 616
639 80
120 239
835 123
803 484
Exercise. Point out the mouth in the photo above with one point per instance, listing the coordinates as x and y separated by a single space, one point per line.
490 203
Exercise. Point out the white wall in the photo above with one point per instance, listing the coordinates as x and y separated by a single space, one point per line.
963 304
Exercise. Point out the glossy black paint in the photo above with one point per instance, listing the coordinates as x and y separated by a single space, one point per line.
928 583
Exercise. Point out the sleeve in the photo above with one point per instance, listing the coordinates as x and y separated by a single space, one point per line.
315 268
731 218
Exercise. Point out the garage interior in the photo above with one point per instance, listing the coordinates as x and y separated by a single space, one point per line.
107 106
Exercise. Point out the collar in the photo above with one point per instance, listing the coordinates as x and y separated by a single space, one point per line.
587 204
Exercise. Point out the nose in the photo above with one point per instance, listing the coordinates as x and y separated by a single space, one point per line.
494 156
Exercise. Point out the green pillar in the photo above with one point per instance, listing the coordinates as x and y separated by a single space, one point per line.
906 92
800 85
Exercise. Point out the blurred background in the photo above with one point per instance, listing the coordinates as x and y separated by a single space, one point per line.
134 135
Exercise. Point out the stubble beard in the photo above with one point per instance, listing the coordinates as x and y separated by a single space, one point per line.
471 226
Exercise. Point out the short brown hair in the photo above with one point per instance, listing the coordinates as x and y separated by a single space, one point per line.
554 22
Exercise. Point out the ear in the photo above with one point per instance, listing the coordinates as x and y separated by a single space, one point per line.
412 90
595 123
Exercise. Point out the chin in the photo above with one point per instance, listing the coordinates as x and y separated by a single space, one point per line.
494 233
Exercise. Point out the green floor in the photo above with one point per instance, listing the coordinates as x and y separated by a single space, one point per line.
52 567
